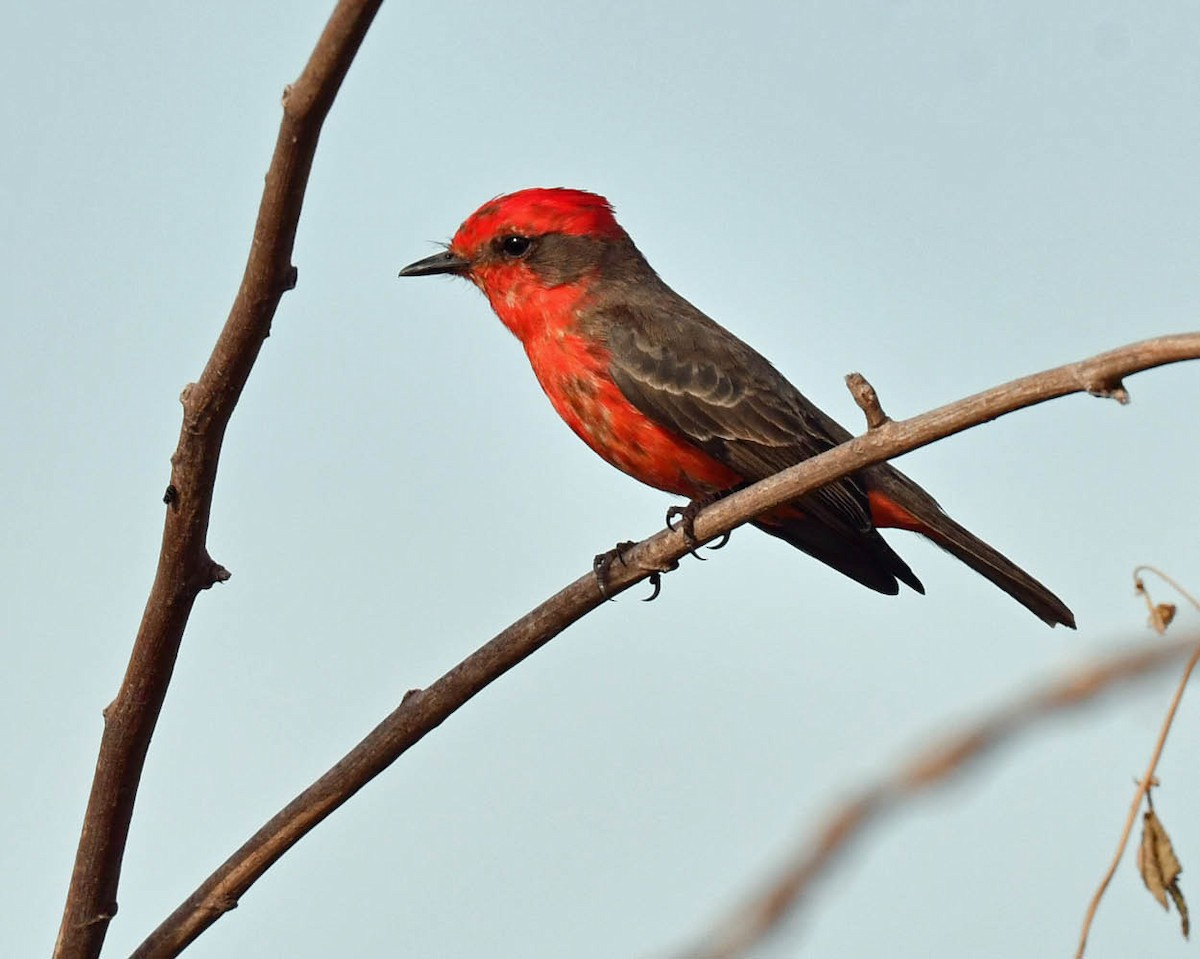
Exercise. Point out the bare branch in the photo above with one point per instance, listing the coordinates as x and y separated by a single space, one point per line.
184 566
1096 375
422 711
935 767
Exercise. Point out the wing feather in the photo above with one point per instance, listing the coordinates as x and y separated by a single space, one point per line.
698 379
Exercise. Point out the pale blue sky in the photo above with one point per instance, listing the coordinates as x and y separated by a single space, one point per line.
940 195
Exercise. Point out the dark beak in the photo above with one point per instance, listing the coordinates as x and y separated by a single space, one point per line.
446 262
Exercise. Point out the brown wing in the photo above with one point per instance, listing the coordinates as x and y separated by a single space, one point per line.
691 375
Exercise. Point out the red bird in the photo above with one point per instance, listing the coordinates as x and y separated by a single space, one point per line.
675 400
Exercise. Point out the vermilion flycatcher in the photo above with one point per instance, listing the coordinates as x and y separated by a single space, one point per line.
675 400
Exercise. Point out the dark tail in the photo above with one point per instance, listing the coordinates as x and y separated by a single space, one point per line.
969 548
864 556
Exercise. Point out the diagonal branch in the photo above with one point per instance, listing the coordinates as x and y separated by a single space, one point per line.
184 566
937 766
421 711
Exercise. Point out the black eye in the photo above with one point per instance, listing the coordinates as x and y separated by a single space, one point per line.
514 245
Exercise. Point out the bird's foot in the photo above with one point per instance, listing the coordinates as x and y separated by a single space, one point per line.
603 564
687 521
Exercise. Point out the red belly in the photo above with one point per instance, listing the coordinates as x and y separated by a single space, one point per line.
574 375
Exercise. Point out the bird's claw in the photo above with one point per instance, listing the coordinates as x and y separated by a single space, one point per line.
604 562
722 542
656 582
687 522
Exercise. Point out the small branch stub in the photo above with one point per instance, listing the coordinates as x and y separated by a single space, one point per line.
216 574
867 399
1110 390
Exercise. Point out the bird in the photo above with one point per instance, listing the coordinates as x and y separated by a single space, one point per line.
669 396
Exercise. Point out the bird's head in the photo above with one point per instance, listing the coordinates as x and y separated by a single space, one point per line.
532 253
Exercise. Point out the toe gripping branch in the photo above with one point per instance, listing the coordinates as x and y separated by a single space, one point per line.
687 522
603 563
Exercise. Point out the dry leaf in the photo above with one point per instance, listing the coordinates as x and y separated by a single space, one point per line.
1159 867
1161 615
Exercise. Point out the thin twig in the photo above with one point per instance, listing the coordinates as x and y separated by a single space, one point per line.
1147 781
184 566
784 896
424 710
1173 583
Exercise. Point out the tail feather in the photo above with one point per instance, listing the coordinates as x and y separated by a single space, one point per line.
865 557
964 545
1002 571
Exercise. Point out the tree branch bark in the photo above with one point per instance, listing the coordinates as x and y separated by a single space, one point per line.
421 711
184 566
